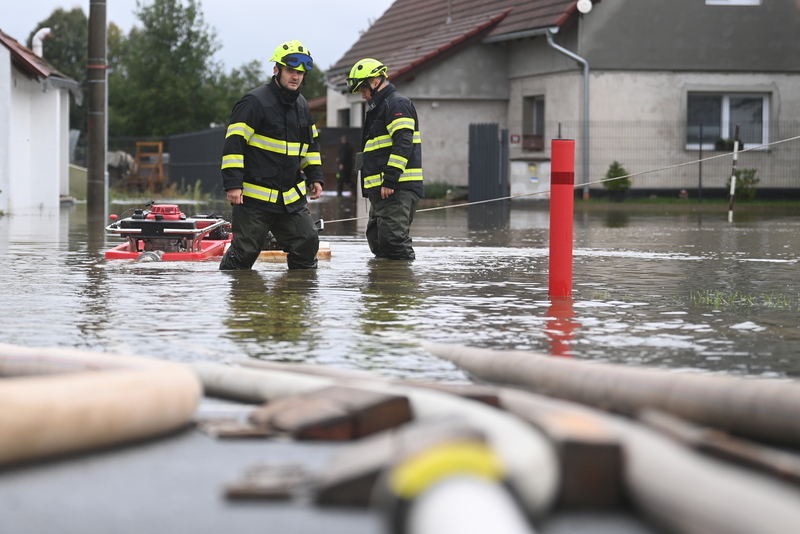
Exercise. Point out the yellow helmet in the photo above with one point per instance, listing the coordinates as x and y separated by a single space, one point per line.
364 70
293 54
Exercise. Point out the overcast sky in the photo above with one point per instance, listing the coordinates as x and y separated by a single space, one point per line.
246 29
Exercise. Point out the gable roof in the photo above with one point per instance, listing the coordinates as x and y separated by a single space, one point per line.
32 65
413 33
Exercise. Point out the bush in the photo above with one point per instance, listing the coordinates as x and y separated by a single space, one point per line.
746 182
616 178
437 190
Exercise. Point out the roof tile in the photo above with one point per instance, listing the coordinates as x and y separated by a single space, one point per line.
412 33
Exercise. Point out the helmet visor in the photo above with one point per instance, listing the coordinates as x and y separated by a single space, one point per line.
354 84
296 60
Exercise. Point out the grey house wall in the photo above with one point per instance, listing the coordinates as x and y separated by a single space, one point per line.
645 56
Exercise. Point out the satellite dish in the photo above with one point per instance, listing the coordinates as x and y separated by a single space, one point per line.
584 6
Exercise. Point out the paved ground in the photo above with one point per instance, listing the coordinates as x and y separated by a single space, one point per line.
175 485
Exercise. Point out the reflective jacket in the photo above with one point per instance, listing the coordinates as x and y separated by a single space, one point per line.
271 149
391 144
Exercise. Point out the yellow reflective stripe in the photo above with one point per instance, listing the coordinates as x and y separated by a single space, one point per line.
312 158
314 131
261 193
294 149
233 161
397 161
373 181
239 128
417 137
274 145
398 124
375 143
410 175
421 471
292 195
268 143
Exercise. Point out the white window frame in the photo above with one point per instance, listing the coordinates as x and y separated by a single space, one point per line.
726 119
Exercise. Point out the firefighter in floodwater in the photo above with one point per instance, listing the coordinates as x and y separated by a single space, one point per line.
270 161
391 160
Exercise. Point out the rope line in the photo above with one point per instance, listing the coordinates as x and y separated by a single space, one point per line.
667 168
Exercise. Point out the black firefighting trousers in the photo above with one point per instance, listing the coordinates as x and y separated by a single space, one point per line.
389 223
295 232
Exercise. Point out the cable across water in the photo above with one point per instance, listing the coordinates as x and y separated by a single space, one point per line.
595 182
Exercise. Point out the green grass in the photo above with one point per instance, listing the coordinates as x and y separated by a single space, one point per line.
733 299
173 191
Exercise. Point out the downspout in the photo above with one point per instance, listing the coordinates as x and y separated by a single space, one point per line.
585 140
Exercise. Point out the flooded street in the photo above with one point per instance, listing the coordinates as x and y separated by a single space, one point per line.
677 289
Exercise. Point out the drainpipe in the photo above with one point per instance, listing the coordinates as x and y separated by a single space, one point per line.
585 140
38 37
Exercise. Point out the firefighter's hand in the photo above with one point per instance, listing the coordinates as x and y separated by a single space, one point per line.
316 190
386 192
234 196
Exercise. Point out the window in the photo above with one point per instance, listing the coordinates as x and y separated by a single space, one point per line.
343 118
533 123
717 115
733 2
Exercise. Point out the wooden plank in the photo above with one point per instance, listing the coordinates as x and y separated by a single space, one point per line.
335 413
279 256
306 418
590 451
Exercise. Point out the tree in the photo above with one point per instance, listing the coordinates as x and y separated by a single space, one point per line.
229 88
66 49
166 76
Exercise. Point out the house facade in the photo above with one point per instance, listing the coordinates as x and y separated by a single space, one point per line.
34 130
656 86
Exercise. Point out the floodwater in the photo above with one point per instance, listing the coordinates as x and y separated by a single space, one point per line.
671 287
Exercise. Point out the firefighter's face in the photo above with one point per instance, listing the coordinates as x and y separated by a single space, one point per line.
366 89
289 78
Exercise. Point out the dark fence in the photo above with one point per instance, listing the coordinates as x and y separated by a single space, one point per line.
197 156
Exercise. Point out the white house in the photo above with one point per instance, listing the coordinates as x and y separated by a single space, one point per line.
34 130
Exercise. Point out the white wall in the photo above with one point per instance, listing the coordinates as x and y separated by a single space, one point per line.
5 126
34 141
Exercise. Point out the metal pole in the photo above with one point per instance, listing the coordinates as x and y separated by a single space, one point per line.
96 144
733 173
700 169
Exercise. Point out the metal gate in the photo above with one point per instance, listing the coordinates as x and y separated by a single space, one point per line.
488 162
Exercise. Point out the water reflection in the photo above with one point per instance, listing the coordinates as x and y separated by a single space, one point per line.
616 219
480 279
390 297
270 309
491 216
560 326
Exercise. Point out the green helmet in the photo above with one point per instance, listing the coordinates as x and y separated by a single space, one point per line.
364 70
293 54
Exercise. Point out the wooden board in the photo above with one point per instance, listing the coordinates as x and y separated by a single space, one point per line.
279 256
